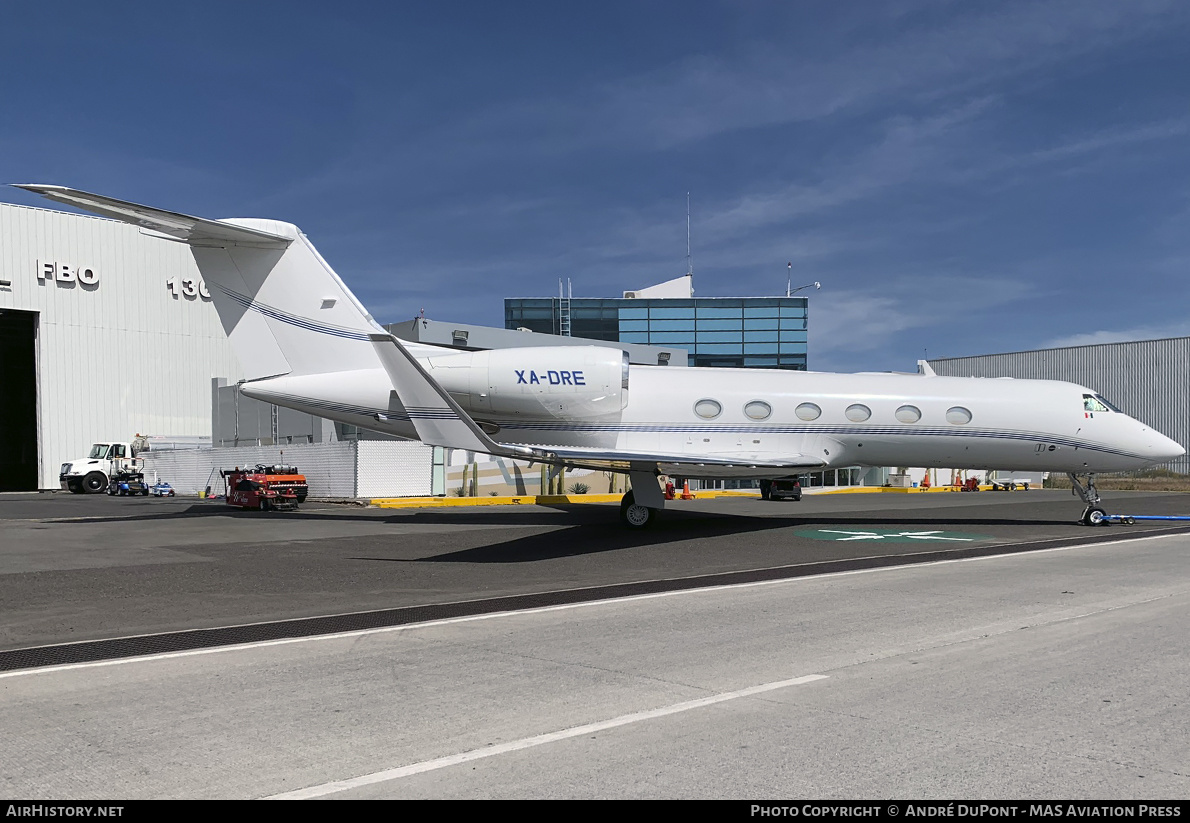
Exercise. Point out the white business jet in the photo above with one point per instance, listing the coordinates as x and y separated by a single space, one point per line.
306 343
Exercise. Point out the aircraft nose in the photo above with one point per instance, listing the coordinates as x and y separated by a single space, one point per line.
1163 449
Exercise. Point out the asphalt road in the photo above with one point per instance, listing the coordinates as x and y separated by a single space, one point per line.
1054 673
81 568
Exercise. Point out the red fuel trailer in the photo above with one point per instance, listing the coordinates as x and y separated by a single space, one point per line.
279 488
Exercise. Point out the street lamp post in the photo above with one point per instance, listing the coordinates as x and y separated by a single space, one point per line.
789 292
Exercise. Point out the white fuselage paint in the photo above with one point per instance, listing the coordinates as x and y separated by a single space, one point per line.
1014 424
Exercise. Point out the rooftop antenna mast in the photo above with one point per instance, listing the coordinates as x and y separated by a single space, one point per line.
689 259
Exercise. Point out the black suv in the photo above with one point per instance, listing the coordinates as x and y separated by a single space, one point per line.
780 489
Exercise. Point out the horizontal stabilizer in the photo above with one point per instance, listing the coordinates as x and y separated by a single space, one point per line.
197 231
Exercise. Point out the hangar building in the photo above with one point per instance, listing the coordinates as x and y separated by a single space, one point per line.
104 334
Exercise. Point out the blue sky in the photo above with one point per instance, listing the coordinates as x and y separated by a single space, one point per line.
961 177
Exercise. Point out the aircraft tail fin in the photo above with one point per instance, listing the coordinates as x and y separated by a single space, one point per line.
283 307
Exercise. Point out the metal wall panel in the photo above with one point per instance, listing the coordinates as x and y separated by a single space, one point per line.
395 468
1147 379
330 468
122 356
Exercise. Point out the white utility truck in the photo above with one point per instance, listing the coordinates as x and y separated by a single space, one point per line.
91 474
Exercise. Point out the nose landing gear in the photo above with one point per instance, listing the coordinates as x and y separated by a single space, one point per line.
1094 515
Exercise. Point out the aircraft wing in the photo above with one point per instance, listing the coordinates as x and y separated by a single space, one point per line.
440 421
625 460
197 231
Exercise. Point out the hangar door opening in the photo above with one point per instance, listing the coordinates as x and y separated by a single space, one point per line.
18 401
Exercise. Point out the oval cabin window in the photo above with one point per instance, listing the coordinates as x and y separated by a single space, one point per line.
958 415
808 411
758 410
858 413
708 409
909 414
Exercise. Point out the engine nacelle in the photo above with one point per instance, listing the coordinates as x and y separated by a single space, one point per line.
556 382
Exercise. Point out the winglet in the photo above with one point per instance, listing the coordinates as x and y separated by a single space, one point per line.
438 419
925 369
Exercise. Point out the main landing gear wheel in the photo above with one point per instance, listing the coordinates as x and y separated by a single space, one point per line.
634 515
1094 517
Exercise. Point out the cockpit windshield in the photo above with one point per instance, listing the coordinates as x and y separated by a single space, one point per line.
1111 406
1095 403
98 451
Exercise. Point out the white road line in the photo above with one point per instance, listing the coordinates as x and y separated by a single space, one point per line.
530 742
260 644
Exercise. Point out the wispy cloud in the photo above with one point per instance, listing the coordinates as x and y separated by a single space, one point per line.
907 148
814 67
907 315
775 81
1123 335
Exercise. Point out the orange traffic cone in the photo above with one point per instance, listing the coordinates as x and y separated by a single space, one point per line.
686 495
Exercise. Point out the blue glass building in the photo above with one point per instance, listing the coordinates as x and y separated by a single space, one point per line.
749 332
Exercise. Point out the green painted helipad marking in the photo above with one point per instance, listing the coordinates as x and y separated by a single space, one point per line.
892 535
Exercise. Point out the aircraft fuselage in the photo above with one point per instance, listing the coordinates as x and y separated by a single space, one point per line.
803 419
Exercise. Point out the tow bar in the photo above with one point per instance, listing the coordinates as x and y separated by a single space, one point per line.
1129 519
